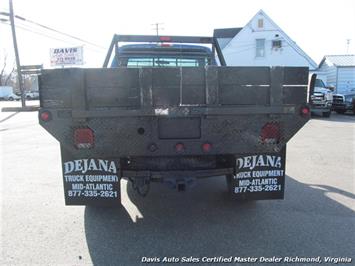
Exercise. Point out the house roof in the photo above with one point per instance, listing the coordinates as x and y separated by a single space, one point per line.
286 37
226 32
340 60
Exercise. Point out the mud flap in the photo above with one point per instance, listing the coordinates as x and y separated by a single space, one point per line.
90 181
259 176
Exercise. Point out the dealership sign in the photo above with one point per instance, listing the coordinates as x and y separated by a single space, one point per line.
66 56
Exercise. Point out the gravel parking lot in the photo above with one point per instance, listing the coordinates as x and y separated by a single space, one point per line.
315 219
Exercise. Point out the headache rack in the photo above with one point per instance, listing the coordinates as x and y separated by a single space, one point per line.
114 48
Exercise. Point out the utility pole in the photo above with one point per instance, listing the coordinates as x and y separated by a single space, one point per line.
18 65
347 45
156 27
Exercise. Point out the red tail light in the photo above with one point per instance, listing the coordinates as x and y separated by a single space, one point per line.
45 116
165 39
83 138
206 147
165 45
305 111
179 147
270 133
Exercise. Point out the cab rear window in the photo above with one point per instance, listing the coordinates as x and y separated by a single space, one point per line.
163 62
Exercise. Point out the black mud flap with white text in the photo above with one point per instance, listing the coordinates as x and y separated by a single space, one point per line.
259 176
90 181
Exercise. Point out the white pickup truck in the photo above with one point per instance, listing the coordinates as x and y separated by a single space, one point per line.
321 99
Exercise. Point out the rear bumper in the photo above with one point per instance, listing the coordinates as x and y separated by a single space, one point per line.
135 135
158 175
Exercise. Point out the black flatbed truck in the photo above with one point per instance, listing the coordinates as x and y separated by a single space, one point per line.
165 112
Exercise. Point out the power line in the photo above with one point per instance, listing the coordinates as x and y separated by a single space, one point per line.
25 27
30 29
54 30
36 32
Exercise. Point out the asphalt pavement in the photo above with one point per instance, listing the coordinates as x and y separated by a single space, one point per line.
316 218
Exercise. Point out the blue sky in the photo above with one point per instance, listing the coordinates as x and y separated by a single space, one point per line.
318 27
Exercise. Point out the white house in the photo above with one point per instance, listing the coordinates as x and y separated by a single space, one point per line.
339 71
261 43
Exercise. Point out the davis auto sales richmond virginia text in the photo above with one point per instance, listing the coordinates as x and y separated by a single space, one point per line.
231 259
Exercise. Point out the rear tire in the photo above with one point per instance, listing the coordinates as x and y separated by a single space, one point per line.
11 99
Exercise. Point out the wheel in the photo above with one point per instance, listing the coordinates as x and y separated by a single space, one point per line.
11 99
28 97
326 114
340 111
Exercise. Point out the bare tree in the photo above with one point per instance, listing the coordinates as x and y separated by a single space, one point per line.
5 78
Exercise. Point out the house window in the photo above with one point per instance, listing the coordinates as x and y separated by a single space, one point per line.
260 23
260 48
276 44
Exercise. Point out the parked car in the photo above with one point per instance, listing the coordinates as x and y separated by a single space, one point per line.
343 103
12 97
32 95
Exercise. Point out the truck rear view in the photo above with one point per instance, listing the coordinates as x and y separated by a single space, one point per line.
165 112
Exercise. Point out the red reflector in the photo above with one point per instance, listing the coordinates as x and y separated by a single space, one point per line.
165 45
45 116
165 39
270 133
83 138
206 147
179 147
305 111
